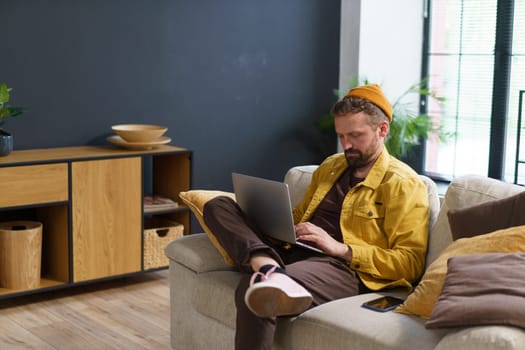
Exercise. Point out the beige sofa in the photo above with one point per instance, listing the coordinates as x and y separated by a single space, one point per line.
202 288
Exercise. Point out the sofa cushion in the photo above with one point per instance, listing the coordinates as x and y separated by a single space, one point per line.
464 191
487 217
484 338
345 324
298 178
421 302
196 200
482 289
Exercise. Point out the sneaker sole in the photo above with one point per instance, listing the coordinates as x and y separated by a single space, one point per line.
272 302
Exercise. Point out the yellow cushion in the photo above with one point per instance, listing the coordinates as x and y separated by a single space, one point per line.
421 302
195 200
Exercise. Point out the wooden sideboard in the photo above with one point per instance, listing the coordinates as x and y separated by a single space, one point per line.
90 202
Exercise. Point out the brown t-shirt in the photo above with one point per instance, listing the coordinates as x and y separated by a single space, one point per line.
328 213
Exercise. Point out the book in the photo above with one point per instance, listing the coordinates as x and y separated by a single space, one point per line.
156 202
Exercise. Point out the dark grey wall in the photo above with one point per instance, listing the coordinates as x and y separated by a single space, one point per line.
240 82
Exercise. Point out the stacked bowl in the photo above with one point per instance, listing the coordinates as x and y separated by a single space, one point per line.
139 136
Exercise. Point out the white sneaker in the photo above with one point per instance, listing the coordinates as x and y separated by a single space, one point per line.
276 295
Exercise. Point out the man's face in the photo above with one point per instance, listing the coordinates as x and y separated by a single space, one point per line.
361 143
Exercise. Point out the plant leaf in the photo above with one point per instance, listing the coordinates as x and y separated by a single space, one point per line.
15 111
4 94
5 109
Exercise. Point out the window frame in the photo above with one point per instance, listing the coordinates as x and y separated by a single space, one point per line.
500 90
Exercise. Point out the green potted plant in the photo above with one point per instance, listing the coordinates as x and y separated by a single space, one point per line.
6 110
408 127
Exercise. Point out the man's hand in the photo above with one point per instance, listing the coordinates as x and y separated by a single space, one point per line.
310 233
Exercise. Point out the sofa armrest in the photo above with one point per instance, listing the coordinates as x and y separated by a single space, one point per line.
197 253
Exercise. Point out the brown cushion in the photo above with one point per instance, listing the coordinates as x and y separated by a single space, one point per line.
422 300
196 200
482 289
487 217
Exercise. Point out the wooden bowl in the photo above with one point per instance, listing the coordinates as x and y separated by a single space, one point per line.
139 132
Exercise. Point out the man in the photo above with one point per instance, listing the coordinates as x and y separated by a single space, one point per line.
367 211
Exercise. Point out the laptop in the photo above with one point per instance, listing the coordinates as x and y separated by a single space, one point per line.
267 205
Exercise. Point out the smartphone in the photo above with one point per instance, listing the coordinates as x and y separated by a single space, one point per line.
383 304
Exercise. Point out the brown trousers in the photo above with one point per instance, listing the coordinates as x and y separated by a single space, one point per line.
326 278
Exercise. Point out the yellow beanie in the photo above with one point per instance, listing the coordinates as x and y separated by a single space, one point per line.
374 94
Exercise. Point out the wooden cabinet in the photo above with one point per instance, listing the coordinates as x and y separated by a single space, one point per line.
90 202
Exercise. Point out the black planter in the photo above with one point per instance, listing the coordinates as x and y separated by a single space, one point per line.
6 143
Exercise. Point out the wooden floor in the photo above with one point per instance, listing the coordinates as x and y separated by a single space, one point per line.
130 313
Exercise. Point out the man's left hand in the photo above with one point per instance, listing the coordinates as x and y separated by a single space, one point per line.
315 235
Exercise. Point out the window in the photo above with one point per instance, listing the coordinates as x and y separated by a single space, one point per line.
475 58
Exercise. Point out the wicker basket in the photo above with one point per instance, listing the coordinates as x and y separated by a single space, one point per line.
158 232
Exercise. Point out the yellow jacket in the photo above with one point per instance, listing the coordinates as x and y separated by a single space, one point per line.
384 219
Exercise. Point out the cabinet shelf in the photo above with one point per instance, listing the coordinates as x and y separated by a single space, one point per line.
45 283
30 206
157 211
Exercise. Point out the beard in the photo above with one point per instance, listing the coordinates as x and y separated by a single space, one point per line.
359 158
355 158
